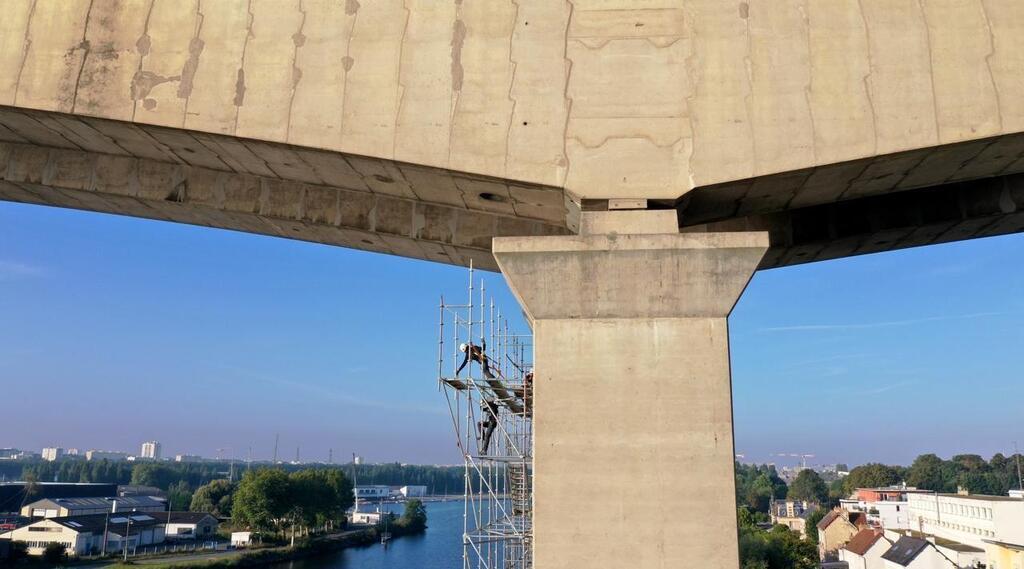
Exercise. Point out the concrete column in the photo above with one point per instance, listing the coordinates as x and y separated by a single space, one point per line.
633 457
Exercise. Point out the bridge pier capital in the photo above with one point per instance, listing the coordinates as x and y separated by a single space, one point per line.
633 450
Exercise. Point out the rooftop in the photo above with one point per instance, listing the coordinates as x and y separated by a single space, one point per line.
186 517
123 503
828 519
905 550
983 497
862 542
115 523
941 541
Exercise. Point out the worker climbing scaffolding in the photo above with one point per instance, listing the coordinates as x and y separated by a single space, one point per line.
476 354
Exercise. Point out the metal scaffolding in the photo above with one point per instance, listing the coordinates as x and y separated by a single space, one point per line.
485 370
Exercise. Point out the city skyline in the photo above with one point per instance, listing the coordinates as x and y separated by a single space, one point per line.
107 313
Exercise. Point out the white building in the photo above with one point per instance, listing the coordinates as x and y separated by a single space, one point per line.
52 453
65 507
865 550
151 450
82 535
973 519
105 455
368 518
373 492
919 551
243 538
413 491
992 523
190 525
188 458
885 507
792 514
886 514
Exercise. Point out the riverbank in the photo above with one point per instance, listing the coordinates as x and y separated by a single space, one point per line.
265 556
312 547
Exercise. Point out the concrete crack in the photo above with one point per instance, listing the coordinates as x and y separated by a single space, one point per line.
511 86
748 99
988 62
931 69
565 93
458 37
143 46
351 9
27 43
85 56
188 71
240 81
399 87
867 77
808 90
299 40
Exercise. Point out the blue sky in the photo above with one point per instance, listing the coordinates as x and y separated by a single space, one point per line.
116 330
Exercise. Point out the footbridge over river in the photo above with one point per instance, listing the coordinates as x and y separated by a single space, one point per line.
628 164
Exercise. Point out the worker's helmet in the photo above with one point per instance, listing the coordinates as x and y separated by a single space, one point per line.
463 348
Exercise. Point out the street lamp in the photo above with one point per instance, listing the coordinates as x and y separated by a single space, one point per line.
127 532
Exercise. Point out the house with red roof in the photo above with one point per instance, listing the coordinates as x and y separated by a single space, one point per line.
865 549
836 529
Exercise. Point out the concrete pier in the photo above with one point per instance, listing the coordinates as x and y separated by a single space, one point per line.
633 415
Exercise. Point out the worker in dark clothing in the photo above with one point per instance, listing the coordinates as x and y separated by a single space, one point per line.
528 390
476 353
489 409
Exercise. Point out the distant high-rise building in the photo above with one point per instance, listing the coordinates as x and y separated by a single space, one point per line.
357 459
105 455
52 453
151 449
72 452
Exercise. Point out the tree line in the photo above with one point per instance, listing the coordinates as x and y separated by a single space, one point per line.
163 475
183 480
270 499
757 485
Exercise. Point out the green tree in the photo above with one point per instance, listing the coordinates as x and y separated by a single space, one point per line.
179 496
975 482
811 527
837 491
54 552
779 548
263 499
809 486
414 518
745 518
871 475
214 498
927 473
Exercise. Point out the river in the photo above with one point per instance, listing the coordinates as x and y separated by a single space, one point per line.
440 547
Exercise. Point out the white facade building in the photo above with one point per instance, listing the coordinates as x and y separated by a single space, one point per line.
865 550
243 538
84 534
65 507
375 492
190 526
885 514
368 518
413 491
151 450
105 455
52 453
972 519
